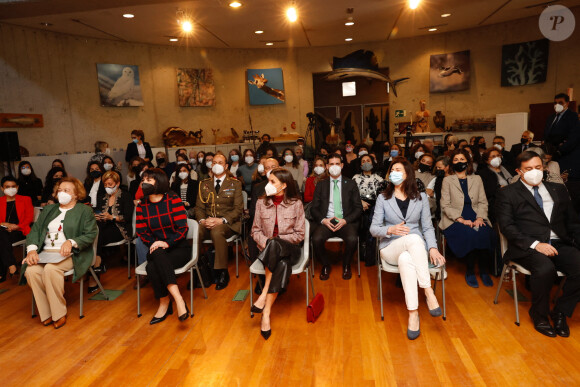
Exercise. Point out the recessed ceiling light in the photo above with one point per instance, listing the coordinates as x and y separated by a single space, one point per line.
413 4
432 29
186 26
446 15
128 15
173 39
235 4
291 14
347 39
259 32
349 21
269 44
46 24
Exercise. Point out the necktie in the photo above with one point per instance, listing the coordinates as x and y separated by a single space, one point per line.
336 200
556 119
217 186
538 197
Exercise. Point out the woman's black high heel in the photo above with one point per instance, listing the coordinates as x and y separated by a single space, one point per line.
255 309
156 320
92 289
184 316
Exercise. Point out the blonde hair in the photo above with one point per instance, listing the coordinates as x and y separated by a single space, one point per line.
111 175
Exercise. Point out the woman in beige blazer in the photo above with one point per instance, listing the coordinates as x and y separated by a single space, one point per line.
464 219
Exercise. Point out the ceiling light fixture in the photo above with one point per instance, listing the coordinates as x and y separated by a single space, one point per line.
432 29
186 26
269 44
128 15
348 39
291 13
46 24
446 15
259 32
173 39
349 22
413 4
235 4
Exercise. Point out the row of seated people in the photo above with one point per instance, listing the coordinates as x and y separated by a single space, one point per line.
334 212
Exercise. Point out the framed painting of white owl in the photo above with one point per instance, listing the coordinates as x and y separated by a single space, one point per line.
119 85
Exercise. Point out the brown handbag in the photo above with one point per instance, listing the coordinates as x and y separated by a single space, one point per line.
315 308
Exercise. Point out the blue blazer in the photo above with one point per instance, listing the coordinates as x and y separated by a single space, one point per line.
418 219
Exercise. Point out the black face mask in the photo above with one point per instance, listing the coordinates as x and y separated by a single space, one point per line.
160 161
440 173
95 174
266 142
56 180
459 167
424 167
148 189
482 146
524 140
136 170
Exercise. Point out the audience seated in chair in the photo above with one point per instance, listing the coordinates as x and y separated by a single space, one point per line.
186 188
494 176
94 185
28 184
319 173
52 178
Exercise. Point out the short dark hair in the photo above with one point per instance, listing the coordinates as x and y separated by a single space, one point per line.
8 178
266 134
334 156
291 193
500 137
465 154
563 95
161 180
140 133
525 156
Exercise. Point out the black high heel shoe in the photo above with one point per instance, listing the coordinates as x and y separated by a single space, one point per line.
184 316
100 269
92 289
255 309
266 334
156 320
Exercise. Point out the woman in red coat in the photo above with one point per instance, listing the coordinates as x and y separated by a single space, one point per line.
16 215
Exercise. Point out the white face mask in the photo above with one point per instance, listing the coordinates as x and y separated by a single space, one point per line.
558 108
270 189
200 160
111 190
181 162
288 158
498 147
334 170
193 161
249 159
209 164
534 177
26 171
268 173
183 175
217 169
108 166
495 162
64 198
419 154
362 153
319 170
261 168
11 191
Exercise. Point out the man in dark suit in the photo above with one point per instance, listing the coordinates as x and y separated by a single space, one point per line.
508 160
543 233
559 126
525 144
336 209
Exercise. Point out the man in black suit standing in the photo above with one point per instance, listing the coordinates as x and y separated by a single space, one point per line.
562 123
525 144
543 234
336 209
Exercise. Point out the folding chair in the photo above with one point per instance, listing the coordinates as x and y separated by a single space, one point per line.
192 234
515 269
71 272
436 273
338 240
301 267
21 243
129 242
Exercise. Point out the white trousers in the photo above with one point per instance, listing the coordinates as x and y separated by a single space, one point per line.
408 252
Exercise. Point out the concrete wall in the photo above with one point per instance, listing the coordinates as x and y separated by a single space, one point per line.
55 75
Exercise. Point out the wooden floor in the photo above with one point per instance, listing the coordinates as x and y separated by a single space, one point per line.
479 344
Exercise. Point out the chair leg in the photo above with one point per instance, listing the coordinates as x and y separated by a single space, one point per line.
311 285
192 288
251 296
201 282
129 260
516 297
307 288
381 291
503 273
33 306
312 260
81 315
237 272
137 276
443 292
435 282
99 283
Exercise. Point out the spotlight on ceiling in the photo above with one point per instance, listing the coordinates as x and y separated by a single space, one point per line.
269 44
291 13
235 4
186 26
128 15
413 4
173 39
446 15
432 29
349 21
348 39
259 32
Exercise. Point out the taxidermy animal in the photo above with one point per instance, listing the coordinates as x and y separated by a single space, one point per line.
124 87
372 121
448 71
174 136
234 138
348 129
260 83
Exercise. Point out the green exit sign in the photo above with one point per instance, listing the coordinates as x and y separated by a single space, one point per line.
400 113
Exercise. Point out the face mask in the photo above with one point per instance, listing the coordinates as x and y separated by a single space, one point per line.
534 177
424 167
298 156
235 158
183 175
394 153
396 177
270 189
135 141
335 170
319 170
26 171
482 146
64 198
249 159
108 166
136 170
495 162
440 173
181 162
95 174
193 161
200 160
362 153
10 191
524 140
288 158
141 173
558 108
367 167
498 147
217 169
56 180
419 154
349 149
459 167
111 190
209 164
265 142
148 189
261 168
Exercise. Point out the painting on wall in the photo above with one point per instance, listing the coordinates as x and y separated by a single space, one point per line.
195 87
449 72
266 86
524 63
119 85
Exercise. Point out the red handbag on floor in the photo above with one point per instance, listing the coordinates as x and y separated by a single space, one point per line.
314 309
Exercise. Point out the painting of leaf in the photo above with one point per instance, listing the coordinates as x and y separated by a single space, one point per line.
524 63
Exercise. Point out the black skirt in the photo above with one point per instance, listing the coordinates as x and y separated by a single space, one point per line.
279 256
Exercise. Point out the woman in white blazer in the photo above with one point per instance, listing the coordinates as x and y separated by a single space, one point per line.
402 220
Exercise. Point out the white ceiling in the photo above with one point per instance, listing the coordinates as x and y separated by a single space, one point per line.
320 23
